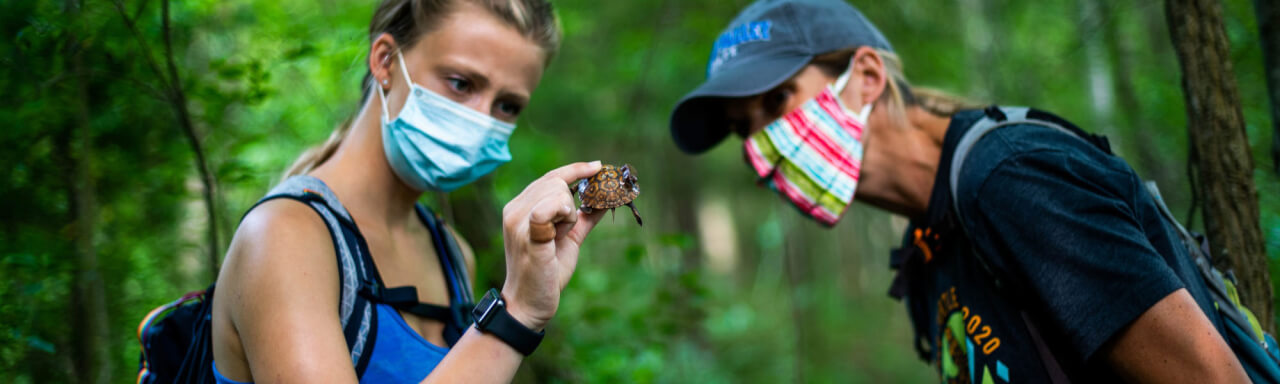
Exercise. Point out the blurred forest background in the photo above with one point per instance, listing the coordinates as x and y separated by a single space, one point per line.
137 132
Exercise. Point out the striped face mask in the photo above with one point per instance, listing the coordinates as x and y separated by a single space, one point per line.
812 156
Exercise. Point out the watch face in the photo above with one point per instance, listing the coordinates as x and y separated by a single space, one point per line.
487 303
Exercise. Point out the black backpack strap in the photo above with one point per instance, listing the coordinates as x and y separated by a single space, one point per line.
457 316
999 117
359 324
406 299
457 277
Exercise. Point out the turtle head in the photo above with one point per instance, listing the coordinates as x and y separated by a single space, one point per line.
629 179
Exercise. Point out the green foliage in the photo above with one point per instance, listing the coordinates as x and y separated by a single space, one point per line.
265 80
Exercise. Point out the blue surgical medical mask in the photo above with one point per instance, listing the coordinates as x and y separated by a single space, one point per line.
438 144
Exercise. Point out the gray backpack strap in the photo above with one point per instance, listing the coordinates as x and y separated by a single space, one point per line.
1212 278
303 184
354 310
1012 116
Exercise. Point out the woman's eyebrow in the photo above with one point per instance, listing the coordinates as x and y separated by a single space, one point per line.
483 81
465 70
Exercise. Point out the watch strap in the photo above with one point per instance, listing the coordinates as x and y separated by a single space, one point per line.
512 332
498 322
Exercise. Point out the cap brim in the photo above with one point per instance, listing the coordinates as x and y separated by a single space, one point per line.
697 123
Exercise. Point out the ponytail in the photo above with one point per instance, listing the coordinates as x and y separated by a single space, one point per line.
317 155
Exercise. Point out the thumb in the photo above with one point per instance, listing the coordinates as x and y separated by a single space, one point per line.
567 251
586 222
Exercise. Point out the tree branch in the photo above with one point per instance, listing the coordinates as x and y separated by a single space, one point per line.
174 94
184 119
145 49
138 11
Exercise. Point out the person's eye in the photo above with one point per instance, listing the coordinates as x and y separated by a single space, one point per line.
509 109
776 99
459 84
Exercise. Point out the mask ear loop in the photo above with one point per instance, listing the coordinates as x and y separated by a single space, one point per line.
386 116
840 84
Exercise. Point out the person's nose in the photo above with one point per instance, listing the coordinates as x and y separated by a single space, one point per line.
760 118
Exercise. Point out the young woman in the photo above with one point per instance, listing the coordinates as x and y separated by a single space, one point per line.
447 80
1095 287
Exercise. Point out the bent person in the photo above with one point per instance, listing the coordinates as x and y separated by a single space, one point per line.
1033 256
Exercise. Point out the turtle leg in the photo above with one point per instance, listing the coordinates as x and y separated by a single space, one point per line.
612 216
636 213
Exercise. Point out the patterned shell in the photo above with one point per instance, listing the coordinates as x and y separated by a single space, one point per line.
611 188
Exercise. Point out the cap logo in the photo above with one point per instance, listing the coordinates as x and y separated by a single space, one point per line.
726 46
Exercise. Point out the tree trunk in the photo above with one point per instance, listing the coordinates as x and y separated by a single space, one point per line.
1223 164
980 41
1098 63
1146 137
797 263
1268 12
689 275
89 327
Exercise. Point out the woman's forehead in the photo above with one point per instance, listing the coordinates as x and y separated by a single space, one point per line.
473 39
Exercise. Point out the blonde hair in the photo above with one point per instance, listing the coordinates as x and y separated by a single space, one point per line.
408 20
900 93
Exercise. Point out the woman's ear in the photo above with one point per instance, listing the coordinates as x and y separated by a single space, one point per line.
868 71
382 60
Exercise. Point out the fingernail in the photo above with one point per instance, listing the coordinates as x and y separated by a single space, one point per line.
595 163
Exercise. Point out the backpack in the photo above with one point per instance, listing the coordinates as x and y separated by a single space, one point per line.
1256 350
177 339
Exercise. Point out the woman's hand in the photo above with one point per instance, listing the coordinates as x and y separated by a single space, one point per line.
542 231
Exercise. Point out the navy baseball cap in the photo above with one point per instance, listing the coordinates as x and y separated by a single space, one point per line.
766 44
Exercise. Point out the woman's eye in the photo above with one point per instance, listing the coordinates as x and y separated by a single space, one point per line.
459 84
509 109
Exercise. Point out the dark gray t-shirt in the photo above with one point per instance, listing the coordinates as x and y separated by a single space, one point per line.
1070 233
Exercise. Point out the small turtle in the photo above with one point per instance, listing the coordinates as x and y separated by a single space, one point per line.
612 187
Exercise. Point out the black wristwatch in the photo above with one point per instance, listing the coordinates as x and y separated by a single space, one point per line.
492 317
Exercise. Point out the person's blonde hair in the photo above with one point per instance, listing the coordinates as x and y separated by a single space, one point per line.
408 20
899 94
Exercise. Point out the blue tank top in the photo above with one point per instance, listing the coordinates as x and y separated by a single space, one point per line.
399 354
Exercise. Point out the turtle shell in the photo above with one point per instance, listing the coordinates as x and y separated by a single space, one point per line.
612 187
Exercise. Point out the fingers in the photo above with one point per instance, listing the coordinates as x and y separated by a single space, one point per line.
572 242
576 171
556 227
547 203
549 214
541 232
